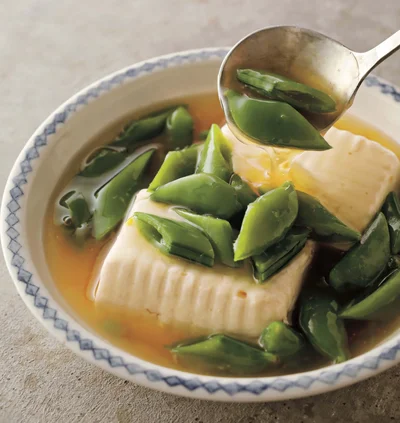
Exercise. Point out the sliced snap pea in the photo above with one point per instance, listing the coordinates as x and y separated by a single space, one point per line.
381 304
391 209
245 194
64 198
175 238
215 157
103 161
78 209
321 324
279 255
202 193
203 135
393 263
143 129
226 354
365 261
266 221
277 87
114 198
280 339
179 128
324 225
176 165
273 123
218 231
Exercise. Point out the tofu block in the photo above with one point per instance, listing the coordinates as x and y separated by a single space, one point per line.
351 180
137 276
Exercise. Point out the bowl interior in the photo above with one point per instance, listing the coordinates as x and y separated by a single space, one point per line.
92 113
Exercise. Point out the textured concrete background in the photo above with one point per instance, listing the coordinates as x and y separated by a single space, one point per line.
48 51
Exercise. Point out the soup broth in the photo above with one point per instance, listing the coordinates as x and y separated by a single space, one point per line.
141 334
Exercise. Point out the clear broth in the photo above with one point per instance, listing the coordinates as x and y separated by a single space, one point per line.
141 334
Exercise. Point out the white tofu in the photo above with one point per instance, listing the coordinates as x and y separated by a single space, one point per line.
351 180
136 276
263 166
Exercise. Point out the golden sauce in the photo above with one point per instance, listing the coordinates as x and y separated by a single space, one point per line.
142 334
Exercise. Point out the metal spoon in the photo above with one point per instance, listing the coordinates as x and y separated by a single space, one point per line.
305 56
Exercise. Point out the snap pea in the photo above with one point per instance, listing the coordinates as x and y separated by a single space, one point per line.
78 209
114 198
321 324
218 231
245 194
393 263
215 157
266 221
103 161
324 225
280 339
203 135
202 193
273 123
280 254
179 128
277 87
391 209
175 238
382 304
176 165
223 353
143 129
64 198
365 261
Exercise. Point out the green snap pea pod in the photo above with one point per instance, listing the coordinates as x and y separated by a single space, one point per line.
280 339
176 238
277 87
143 129
382 304
391 209
103 161
393 263
179 128
324 225
78 209
224 353
266 221
203 135
176 165
245 194
114 198
218 231
215 157
365 261
321 324
64 198
273 123
202 193
279 255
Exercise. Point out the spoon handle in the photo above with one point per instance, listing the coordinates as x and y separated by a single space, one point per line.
368 60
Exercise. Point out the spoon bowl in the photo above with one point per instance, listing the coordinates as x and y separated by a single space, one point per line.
305 56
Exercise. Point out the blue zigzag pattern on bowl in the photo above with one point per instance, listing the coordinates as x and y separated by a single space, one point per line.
373 81
257 386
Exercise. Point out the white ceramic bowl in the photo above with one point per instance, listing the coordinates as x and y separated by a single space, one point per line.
46 156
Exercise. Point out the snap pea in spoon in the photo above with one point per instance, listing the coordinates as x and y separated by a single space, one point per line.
304 56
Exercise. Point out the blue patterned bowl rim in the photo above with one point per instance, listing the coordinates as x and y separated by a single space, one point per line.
98 351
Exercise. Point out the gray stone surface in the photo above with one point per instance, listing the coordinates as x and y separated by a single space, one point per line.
48 51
